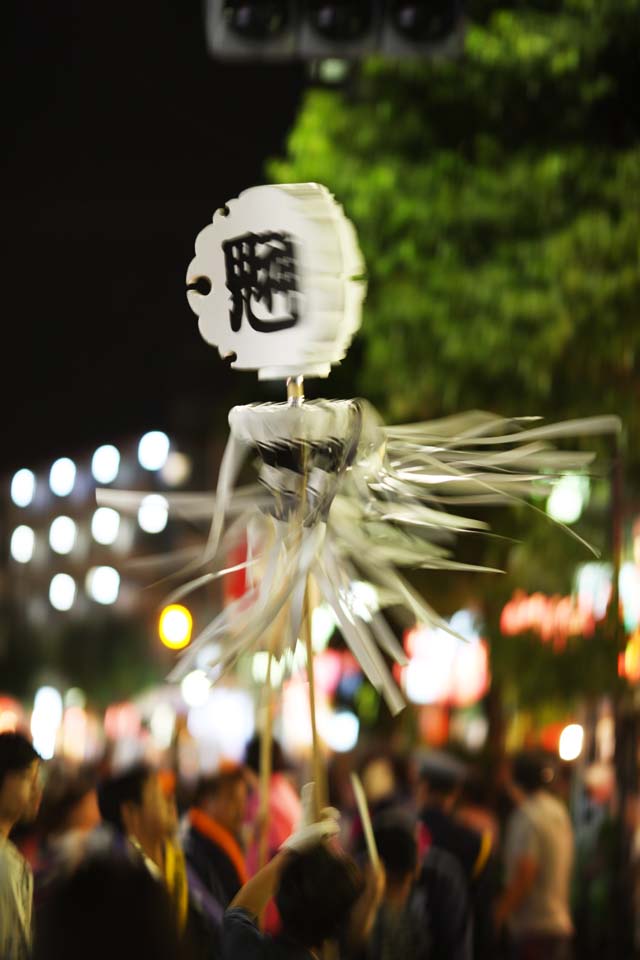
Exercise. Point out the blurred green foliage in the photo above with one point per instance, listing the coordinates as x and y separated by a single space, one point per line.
497 201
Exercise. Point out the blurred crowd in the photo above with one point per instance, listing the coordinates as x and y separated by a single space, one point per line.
132 863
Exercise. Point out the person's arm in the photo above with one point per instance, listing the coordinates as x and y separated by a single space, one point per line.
256 893
366 906
519 887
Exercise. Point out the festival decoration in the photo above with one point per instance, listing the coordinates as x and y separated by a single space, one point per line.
277 284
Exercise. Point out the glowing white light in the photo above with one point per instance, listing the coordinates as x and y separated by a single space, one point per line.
23 487
323 623
463 622
222 725
105 463
260 667
629 586
571 740
45 721
362 598
62 591
153 450
62 535
162 725
153 513
62 477
296 725
177 469
593 586
195 688
105 525
340 731
175 626
427 677
568 498
103 584
22 543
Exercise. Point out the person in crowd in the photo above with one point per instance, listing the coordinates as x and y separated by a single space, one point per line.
134 805
440 785
474 810
320 893
68 813
439 788
538 857
425 911
19 799
378 772
108 908
203 930
212 840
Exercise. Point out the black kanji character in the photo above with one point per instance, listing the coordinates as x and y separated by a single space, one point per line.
259 265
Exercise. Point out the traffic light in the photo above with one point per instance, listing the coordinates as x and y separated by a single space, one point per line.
347 29
340 29
252 29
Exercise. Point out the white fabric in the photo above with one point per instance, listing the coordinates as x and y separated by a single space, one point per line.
16 899
540 830
346 498
309 833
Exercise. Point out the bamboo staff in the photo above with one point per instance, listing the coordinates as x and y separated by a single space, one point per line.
295 396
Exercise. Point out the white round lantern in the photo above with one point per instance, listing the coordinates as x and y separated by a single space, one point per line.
277 281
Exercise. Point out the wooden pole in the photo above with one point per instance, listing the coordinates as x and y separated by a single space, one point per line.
266 741
319 795
295 397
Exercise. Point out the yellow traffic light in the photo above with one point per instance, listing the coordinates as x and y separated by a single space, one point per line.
175 626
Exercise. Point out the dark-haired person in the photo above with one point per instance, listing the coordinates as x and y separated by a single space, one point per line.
538 858
316 891
320 895
133 803
424 914
439 789
68 813
212 839
107 909
19 799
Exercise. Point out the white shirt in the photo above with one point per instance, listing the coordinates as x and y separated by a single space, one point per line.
540 829
16 900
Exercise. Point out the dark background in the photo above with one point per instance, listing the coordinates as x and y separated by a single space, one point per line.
124 136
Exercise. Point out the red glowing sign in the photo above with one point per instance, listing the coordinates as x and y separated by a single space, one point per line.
554 618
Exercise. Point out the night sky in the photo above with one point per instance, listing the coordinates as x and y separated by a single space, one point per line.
124 137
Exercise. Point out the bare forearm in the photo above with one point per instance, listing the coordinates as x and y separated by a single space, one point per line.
517 891
256 893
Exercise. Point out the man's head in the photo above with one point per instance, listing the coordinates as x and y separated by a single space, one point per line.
224 798
531 772
133 803
440 782
317 890
395 836
19 786
252 755
69 802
